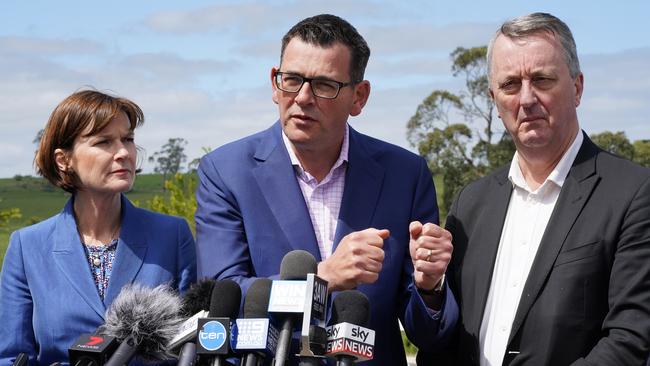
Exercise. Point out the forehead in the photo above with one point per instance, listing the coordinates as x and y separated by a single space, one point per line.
313 60
524 55
119 123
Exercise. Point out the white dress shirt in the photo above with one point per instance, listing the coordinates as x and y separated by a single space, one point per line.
528 215
323 198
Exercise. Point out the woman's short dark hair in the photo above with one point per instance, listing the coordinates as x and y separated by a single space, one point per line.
83 113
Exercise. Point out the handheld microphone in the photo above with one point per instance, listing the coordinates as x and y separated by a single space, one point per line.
195 305
214 331
254 335
144 320
348 340
91 349
300 294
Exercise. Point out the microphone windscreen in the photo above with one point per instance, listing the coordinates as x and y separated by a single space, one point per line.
197 297
297 264
150 315
225 299
351 306
256 302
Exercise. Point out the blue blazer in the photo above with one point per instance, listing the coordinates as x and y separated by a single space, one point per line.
47 294
251 213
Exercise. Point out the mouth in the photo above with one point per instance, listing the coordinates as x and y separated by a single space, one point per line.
303 117
531 119
121 171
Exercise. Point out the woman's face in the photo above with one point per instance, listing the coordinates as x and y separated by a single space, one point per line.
105 162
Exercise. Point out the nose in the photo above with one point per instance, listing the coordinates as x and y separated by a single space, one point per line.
305 94
527 96
122 151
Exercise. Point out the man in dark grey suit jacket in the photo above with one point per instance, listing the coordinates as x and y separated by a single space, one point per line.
551 262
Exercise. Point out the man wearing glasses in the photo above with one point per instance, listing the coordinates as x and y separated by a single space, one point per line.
311 182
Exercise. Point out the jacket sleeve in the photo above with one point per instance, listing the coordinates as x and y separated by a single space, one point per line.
626 329
16 307
426 328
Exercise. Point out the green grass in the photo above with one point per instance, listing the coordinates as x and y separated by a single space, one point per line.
38 200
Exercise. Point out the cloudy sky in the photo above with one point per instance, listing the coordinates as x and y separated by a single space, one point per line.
200 69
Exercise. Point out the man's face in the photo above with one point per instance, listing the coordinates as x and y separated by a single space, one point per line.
534 93
312 123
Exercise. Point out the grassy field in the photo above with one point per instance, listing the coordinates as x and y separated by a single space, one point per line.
38 200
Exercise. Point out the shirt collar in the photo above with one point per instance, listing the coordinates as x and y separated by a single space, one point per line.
558 174
343 155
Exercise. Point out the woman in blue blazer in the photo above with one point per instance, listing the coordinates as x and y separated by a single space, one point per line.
60 275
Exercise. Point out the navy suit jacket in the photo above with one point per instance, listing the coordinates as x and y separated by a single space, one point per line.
251 212
47 295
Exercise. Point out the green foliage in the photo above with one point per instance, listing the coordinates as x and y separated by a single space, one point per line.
614 142
460 152
8 214
170 157
642 152
618 143
180 200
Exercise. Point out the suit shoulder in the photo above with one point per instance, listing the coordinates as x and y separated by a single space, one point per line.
34 233
382 150
611 165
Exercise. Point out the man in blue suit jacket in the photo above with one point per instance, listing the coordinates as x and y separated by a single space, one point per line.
311 182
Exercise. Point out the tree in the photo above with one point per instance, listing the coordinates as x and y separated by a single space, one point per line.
460 151
170 157
614 142
642 152
181 200
39 135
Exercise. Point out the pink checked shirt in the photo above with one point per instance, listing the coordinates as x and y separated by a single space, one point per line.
323 199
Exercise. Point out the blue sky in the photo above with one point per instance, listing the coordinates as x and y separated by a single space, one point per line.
200 69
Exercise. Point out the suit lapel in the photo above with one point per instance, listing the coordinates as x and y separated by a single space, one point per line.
131 249
363 182
484 251
277 181
580 182
70 258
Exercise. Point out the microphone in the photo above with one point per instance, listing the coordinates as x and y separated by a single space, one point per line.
300 294
195 305
91 349
214 331
254 335
144 320
21 360
348 340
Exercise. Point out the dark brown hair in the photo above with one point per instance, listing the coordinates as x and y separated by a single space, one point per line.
83 113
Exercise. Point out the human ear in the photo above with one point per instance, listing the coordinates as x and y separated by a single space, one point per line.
61 160
361 94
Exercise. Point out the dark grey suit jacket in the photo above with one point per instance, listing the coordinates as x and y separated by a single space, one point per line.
587 297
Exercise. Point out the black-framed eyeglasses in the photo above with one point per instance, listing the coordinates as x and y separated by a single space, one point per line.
322 88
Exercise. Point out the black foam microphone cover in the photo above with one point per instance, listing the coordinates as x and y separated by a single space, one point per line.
225 299
297 264
256 302
197 297
351 306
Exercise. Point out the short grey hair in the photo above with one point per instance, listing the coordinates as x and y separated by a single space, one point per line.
527 25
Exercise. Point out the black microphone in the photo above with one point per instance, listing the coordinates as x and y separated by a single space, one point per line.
195 305
300 294
348 340
255 336
144 320
214 331
21 360
92 349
